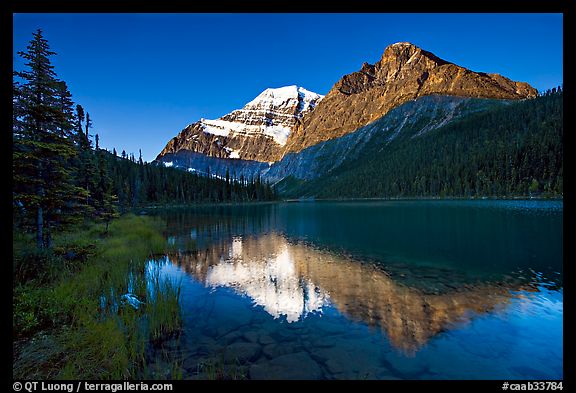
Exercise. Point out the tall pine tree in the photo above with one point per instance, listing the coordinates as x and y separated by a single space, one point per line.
44 192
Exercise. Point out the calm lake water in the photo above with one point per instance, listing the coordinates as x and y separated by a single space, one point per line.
376 290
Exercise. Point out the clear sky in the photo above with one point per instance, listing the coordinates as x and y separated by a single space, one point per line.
144 77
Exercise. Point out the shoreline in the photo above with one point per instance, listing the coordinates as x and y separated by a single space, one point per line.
311 200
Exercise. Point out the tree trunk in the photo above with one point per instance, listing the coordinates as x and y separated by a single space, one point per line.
48 241
39 228
40 211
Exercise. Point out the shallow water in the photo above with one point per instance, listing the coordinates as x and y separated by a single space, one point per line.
376 290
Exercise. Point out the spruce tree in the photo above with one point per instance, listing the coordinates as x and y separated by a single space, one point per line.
43 151
86 162
105 200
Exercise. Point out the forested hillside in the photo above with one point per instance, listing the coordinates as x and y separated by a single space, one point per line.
505 151
139 183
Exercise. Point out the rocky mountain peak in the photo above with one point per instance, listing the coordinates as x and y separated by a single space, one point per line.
399 51
406 55
258 131
297 99
403 73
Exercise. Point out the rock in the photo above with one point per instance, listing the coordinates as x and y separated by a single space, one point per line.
275 350
323 354
266 339
251 336
283 335
330 328
350 359
242 352
232 337
406 366
324 342
131 299
206 346
190 363
294 366
336 366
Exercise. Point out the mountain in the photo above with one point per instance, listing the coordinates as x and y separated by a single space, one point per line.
258 131
310 145
404 73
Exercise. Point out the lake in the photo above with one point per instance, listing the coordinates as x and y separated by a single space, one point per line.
368 290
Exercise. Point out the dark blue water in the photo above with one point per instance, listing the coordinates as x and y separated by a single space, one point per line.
377 290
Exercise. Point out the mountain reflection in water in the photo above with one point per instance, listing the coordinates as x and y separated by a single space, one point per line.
294 279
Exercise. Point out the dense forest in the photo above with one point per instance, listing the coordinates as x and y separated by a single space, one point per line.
137 183
61 175
506 151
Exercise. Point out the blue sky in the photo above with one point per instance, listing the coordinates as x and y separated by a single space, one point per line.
144 77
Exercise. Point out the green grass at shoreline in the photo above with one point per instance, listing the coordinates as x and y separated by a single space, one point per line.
69 320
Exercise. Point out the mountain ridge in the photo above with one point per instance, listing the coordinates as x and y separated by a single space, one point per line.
288 120
257 131
403 73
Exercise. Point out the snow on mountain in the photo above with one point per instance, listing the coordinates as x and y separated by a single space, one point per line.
259 131
284 97
272 113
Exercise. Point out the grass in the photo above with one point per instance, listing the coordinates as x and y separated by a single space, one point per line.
68 316
163 309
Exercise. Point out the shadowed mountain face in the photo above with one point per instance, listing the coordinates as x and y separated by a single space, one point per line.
294 279
290 119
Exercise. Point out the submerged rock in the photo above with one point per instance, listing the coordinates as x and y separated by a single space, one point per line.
275 350
232 337
265 339
251 336
131 299
293 366
242 352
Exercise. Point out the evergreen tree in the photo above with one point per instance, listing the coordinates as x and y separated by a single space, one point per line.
86 163
88 125
79 117
43 150
105 200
